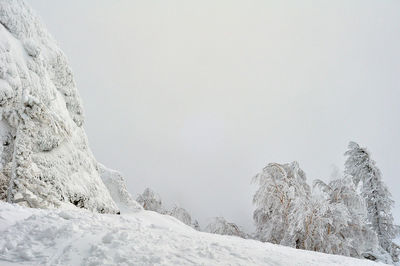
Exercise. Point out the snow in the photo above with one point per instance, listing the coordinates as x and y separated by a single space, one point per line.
115 183
81 237
46 163
45 157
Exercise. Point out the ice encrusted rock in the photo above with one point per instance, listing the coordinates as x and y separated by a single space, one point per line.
45 159
115 183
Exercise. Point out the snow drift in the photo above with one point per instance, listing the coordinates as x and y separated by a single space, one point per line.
45 160
79 237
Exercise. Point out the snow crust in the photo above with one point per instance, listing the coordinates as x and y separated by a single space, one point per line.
80 237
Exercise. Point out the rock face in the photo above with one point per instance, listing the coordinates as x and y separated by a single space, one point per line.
45 160
115 183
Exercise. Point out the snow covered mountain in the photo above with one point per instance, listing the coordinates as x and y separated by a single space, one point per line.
80 237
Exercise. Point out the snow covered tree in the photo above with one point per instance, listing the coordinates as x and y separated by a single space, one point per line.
181 214
196 225
222 227
331 219
184 216
379 203
396 250
150 201
316 225
4 182
354 237
282 189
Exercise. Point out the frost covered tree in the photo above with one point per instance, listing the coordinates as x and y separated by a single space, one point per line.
196 225
282 188
315 225
331 219
222 227
150 201
181 214
353 235
378 200
184 216
4 182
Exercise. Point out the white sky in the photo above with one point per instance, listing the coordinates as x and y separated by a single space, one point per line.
193 98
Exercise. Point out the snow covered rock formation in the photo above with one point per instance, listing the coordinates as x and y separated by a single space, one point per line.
115 183
45 160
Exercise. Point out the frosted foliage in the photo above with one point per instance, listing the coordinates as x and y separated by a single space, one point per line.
396 248
196 225
281 186
181 214
222 227
375 193
355 237
331 219
184 216
150 201
45 158
358 163
3 185
315 225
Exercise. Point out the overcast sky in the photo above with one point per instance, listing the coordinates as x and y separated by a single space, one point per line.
193 98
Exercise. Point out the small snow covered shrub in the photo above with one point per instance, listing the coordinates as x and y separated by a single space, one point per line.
181 214
184 216
196 225
222 227
150 201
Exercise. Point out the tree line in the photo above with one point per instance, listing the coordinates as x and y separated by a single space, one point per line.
349 215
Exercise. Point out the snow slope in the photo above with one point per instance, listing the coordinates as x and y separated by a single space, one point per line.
80 237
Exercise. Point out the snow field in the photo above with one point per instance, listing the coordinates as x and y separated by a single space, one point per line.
80 237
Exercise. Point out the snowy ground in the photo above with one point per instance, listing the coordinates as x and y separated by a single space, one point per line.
80 237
